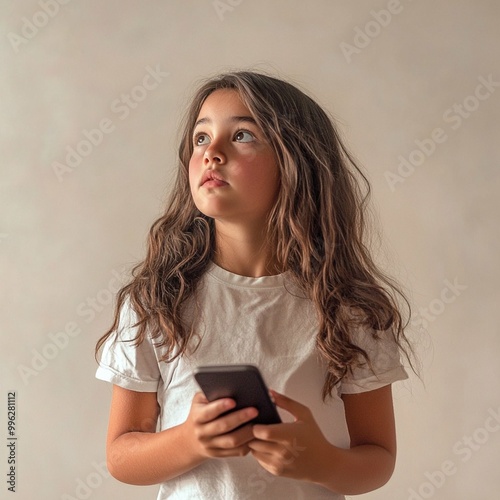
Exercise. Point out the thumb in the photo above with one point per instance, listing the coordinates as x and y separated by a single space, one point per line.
199 398
298 410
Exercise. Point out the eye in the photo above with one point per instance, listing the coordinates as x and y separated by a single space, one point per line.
244 136
201 139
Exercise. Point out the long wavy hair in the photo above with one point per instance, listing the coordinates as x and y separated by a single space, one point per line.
317 225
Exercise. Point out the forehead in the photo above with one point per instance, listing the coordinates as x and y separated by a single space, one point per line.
223 103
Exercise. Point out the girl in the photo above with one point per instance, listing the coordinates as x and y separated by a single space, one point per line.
259 259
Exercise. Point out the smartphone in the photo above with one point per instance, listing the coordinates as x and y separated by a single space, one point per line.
244 384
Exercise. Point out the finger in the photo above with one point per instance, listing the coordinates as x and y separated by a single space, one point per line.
277 433
210 411
200 398
235 439
262 451
274 458
229 422
240 451
263 447
298 410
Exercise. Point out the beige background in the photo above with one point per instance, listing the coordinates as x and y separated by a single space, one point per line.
65 238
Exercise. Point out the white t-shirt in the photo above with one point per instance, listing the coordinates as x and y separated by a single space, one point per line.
244 320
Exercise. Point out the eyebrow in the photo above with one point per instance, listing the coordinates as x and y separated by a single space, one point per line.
233 119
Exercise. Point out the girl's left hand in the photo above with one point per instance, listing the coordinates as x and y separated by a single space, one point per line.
297 449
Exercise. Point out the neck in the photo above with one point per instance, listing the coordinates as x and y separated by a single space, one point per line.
244 250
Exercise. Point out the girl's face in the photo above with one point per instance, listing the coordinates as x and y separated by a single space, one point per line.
233 173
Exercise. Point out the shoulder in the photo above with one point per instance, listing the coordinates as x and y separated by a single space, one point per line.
383 365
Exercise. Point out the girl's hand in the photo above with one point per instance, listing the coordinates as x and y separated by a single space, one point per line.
213 435
295 449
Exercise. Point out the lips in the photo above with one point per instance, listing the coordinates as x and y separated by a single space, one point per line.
212 179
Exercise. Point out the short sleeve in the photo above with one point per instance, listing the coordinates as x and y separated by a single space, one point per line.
126 365
386 367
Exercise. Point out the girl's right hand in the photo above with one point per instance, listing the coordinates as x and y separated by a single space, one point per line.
215 436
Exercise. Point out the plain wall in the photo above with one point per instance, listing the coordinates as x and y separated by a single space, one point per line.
398 83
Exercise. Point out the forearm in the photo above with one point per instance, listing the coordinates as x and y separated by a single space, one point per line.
356 470
144 458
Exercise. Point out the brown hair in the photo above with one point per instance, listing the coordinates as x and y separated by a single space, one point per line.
318 230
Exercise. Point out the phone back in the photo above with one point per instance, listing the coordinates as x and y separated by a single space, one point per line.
244 384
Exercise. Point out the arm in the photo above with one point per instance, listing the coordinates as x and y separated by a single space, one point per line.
136 454
300 450
369 463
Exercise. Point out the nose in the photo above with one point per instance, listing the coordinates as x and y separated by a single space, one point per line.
214 154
